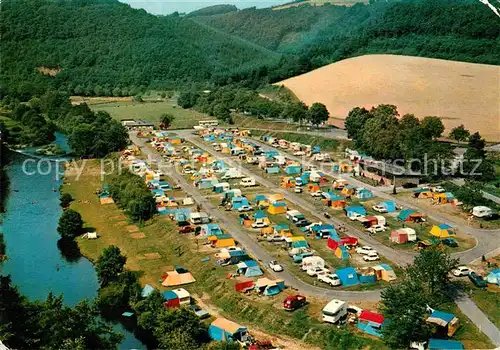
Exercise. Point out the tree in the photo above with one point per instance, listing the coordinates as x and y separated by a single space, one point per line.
163 94
65 200
3 247
431 269
297 111
355 122
224 345
380 136
477 143
138 98
433 127
222 112
318 114
459 133
404 304
166 120
110 265
70 224
179 329
187 99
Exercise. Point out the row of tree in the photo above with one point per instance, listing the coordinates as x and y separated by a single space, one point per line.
221 101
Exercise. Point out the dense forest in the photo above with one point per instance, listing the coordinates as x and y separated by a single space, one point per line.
103 47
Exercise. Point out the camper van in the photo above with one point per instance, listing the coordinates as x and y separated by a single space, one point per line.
311 262
482 212
199 218
321 157
334 311
232 174
236 151
247 182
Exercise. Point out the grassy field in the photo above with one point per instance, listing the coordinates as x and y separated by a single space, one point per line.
212 288
488 300
151 111
457 92
247 122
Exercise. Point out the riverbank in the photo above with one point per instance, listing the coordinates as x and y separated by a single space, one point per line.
156 247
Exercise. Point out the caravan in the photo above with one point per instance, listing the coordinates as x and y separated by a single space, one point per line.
248 182
334 311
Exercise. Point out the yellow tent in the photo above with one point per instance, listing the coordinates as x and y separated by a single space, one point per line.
225 242
277 197
277 208
442 231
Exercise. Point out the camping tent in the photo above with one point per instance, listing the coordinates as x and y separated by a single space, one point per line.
222 241
422 193
370 322
444 319
409 215
277 197
355 209
249 268
403 235
348 190
224 330
389 206
146 291
443 198
238 202
442 231
493 277
175 278
293 169
364 194
277 208
443 344
171 299
211 230
348 276
269 287
341 253
384 272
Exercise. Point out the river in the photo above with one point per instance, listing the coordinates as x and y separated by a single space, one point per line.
29 225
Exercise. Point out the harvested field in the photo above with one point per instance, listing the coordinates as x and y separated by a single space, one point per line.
458 92
319 3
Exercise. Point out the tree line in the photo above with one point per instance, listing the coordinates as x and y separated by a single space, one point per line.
221 101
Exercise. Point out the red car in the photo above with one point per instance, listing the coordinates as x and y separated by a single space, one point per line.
294 302
351 241
186 229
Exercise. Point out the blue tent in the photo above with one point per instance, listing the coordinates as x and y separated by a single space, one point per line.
300 244
315 149
324 231
259 197
272 170
146 291
344 254
442 344
225 330
390 206
364 194
211 230
405 213
293 169
259 214
169 295
493 277
331 196
348 276
238 202
355 209
249 268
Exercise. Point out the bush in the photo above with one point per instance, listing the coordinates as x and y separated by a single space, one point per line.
65 199
70 224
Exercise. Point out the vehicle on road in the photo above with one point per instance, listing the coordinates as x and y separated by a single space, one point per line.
297 189
379 208
245 208
365 250
315 270
330 278
461 271
376 228
372 256
275 266
259 224
294 302
334 311
316 194
477 280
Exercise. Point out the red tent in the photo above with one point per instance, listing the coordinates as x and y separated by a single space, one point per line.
371 317
333 244
349 240
244 286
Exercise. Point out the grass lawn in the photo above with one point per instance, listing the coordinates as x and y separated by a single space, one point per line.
247 122
212 287
488 300
151 111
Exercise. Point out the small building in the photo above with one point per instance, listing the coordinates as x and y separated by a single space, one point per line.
348 276
403 235
447 322
370 322
387 173
222 329
249 268
277 208
442 231
137 124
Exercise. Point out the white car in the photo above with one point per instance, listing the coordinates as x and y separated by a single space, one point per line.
297 190
438 189
376 228
259 224
355 216
245 208
299 153
330 278
373 256
379 208
315 270
461 271
275 266
365 250
317 194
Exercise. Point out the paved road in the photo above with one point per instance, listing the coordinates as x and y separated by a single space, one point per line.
250 244
487 240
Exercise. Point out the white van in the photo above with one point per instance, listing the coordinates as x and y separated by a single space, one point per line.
482 211
199 218
334 311
311 262
247 182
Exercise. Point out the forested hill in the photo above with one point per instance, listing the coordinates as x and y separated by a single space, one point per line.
103 44
103 47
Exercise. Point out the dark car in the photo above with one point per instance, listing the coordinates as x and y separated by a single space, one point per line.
186 229
450 242
302 223
477 280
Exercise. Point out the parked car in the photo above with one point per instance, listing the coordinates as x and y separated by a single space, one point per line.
275 238
477 280
316 194
302 223
438 189
330 278
353 309
245 208
294 302
202 314
315 270
379 208
297 189
299 153
259 224
365 250
275 266
372 256
355 216
376 228
450 242
186 229
461 271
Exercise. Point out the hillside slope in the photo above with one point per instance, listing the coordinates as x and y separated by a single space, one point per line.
103 44
457 92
